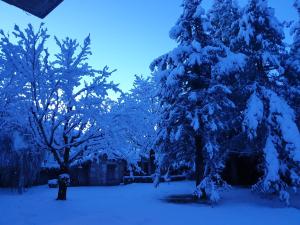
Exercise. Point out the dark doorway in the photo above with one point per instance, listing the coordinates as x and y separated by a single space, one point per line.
241 170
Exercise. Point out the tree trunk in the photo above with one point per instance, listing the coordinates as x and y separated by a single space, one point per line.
199 160
21 179
63 183
62 191
199 163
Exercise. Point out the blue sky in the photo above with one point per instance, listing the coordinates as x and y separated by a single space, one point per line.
126 34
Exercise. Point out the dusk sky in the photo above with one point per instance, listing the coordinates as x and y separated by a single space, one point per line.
126 34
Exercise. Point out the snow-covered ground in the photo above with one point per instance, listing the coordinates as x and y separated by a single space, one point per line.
141 204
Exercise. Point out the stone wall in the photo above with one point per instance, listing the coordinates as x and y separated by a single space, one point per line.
106 173
95 173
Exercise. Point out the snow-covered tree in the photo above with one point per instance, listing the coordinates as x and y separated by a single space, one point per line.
294 60
195 98
268 118
133 122
293 64
20 158
224 16
64 98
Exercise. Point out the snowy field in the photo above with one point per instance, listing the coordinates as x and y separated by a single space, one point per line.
141 204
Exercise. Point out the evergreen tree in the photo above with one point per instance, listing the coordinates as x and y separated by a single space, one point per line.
294 59
268 118
224 16
293 65
195 99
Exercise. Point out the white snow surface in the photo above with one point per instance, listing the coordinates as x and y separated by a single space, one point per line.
233 62
141 204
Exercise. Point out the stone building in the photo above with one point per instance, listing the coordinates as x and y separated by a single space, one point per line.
98 171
